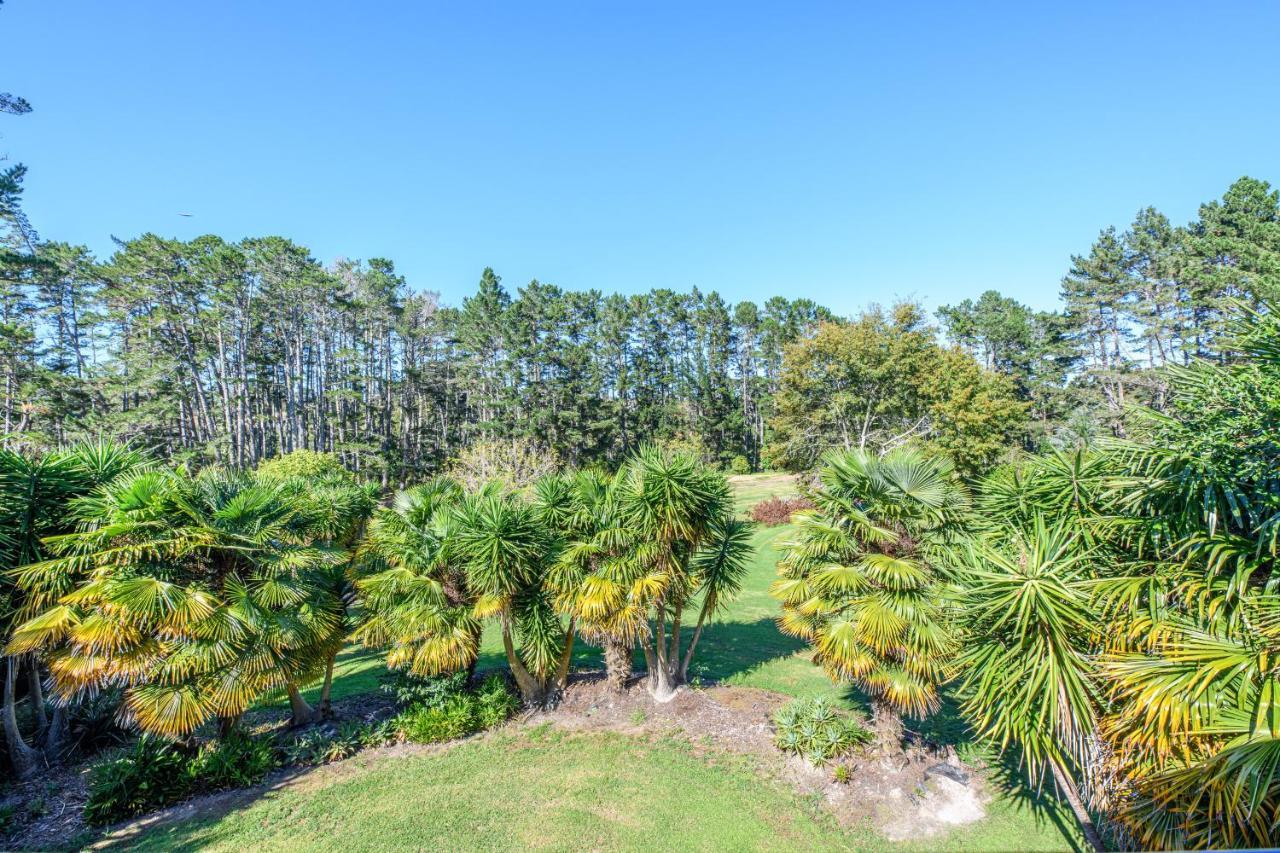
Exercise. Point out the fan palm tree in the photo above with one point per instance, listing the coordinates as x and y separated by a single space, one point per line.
443 562
413 583
35 494
1197 727
340 509
597 580
859 582
195 595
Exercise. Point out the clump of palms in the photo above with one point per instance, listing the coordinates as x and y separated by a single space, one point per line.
597 579
35 496
689 550
860 579
440 562
196 595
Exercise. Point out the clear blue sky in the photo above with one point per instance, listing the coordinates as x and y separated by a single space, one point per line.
845 152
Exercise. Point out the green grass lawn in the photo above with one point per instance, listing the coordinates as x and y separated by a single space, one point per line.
555 791
550 790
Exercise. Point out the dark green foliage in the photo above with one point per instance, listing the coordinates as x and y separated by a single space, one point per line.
460 714
817 730
235 761
155 773
325 745
409 689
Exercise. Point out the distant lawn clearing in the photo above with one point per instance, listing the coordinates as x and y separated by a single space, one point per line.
750 489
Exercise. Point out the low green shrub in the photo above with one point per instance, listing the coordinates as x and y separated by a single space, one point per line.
817 730
152 775
739 465
413 690
235 761
322 746
460 715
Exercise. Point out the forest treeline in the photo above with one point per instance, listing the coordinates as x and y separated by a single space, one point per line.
219 352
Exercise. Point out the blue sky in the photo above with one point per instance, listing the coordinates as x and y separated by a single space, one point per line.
847 152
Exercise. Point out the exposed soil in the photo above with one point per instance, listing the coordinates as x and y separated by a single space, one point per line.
906 794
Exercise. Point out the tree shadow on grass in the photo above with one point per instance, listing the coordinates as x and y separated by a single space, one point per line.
725 649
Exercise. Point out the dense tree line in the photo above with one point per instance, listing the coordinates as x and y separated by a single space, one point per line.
231 353
1152 295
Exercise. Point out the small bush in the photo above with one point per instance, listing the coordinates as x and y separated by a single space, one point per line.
154 774
817 730
236 761
774 511
432 724
460 715
739 465
308 464
432 692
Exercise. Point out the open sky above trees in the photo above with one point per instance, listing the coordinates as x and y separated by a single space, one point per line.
733 147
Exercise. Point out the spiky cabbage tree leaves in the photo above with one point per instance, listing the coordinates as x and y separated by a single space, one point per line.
195 595
1027 679
859 581
691 549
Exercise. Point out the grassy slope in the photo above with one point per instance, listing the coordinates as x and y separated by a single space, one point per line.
606 792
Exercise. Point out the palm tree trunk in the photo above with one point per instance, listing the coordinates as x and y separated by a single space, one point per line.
617 664
532 692
1068 789
566 658
886 723
226 725
22 756
693 644
56 737
326 691
35 694
301 713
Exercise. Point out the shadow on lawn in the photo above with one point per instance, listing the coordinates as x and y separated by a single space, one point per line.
725 649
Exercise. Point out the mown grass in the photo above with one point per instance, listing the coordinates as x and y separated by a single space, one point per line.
608 792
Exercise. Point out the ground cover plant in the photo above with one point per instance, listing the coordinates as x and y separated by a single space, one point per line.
817 730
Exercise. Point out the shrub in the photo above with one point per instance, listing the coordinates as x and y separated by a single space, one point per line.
154 774
308 464
236 761
414 690
310 748
816 730
739 465
515 462
774 511
461 714
495 702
